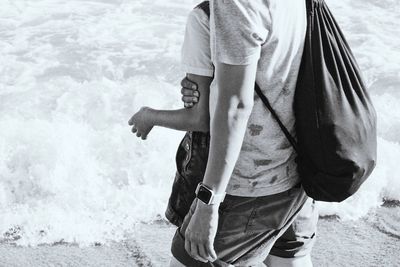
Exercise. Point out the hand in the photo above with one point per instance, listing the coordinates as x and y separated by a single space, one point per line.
190 93
201 231
141 123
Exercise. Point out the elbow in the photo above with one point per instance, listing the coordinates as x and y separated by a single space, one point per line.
240 109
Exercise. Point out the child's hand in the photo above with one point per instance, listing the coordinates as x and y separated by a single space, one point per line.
190 93
141 123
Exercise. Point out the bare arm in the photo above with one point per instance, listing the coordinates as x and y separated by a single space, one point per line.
234 104
238 104
196 118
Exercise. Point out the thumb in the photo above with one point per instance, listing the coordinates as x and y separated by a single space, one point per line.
130 122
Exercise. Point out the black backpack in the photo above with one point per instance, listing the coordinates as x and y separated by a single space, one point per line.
335 119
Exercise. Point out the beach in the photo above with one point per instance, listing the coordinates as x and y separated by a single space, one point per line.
360 243
78 189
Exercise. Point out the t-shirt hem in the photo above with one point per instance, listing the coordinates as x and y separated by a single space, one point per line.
264 191
198 71
238 60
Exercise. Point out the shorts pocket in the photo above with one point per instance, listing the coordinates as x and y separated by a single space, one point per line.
196 155
234 215
184 153
181 198
274 212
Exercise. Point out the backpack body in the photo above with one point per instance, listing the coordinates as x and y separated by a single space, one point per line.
335 118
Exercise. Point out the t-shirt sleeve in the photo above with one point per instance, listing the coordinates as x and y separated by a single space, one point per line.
196 52
238 28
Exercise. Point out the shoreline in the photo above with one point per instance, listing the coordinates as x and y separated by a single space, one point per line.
339 243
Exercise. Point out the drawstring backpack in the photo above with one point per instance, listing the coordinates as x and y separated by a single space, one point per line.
335 119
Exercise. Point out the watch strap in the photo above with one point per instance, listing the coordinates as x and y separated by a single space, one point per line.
212 198
217 198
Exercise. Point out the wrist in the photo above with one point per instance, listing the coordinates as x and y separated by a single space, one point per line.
207 195
203 206
151 115
216 188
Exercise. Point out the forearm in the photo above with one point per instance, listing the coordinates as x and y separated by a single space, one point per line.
227 133
180 119
234 105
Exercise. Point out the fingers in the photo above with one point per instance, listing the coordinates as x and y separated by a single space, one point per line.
192 249
186 83
130 122
189 96
140 126
189 105
211 252
198 250
189 92
190 99
143 136
202 253
188 247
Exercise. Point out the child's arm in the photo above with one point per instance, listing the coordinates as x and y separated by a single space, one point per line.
196 118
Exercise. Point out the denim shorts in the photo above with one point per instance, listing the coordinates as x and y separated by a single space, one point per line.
191 161
251 228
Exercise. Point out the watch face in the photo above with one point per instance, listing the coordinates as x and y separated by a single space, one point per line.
204 194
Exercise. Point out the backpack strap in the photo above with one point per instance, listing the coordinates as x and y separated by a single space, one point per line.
264 99
205 6
309 11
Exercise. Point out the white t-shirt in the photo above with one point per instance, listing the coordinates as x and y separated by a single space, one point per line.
240 32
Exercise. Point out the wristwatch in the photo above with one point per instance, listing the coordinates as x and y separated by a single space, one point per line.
207 195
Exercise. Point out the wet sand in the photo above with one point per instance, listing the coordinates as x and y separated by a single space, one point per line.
350 243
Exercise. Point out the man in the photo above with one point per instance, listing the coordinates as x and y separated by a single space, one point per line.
263 214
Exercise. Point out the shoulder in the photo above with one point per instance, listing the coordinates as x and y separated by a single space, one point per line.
238 30
199 16
237 7
241 15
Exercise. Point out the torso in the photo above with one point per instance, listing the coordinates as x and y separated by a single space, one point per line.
266 161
